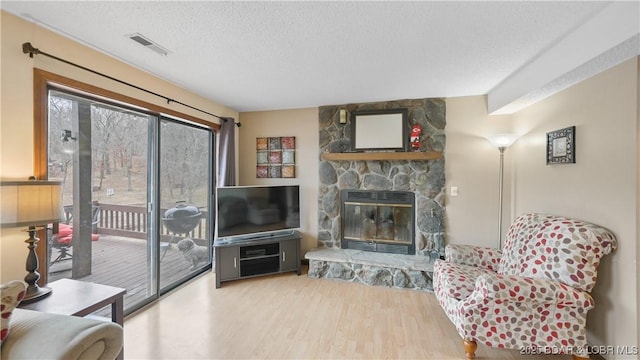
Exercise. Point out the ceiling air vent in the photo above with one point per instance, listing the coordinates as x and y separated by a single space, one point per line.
144 41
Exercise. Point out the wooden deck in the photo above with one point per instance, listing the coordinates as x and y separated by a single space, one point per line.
122 262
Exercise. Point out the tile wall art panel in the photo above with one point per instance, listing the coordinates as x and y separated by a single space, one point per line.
276 157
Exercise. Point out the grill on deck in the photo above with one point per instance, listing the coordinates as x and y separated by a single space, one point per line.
182 218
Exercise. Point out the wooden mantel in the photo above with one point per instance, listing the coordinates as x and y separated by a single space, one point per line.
360 156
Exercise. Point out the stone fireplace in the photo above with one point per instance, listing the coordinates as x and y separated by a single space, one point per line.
424 179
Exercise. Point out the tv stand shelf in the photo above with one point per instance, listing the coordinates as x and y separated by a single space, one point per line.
255 257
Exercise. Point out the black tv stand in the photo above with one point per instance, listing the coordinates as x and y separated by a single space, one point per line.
257 256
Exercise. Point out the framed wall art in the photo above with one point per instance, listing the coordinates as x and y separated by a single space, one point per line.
561 146
275 157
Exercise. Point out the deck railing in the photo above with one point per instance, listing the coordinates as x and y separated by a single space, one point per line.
131 221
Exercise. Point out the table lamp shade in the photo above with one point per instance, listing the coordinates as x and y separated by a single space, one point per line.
27 203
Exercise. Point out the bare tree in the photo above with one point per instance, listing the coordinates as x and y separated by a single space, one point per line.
127 146
105 123
119 148
184 159
60 148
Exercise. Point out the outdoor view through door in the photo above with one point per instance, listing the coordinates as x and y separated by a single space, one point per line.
116 163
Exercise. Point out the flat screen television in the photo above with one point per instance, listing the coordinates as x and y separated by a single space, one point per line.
245 212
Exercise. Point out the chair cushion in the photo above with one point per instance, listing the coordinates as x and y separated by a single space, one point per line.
484 257
64 230
65 235
11 294
457 280
555 248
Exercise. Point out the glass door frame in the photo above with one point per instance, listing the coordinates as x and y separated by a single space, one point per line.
211 185
42 81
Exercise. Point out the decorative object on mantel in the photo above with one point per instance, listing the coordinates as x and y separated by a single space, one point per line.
561 146
275 157
416 133
379 130
343 116
31 203
501 141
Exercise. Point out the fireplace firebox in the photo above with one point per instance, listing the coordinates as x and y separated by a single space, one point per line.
379 221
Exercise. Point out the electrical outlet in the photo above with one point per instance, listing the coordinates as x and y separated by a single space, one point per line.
454 191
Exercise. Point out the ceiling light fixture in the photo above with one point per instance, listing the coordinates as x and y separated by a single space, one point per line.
149 44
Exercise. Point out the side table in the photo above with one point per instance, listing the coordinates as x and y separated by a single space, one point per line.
79 298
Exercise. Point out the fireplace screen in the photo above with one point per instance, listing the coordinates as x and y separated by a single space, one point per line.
380 221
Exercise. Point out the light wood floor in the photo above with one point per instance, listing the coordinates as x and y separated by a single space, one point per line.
295 317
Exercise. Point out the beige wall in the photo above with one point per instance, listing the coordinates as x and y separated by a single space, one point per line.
472 165
602 187
604 110
16 112
303 124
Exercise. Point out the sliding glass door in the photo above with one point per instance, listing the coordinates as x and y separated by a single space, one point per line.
137 189
185 194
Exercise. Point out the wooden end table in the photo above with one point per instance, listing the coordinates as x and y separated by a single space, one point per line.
79 298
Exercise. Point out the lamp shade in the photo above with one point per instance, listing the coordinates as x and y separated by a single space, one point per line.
502 140
27 203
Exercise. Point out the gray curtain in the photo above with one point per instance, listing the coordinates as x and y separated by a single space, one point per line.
227 153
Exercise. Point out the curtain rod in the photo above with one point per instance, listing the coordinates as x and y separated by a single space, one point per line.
27 48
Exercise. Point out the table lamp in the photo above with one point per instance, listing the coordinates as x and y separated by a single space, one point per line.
31 203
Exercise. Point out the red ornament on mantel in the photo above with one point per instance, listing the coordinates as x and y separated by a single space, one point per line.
416 133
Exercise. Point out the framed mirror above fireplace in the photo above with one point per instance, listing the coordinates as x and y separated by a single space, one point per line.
379 130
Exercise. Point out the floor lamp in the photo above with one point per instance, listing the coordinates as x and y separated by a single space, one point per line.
501 141
31 203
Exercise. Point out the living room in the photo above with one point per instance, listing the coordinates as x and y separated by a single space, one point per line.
601 187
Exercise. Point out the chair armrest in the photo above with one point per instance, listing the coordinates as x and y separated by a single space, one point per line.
505 288
484 257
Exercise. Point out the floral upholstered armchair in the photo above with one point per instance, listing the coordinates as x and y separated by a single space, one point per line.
533 294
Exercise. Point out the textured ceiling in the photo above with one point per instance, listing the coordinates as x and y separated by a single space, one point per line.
279 55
